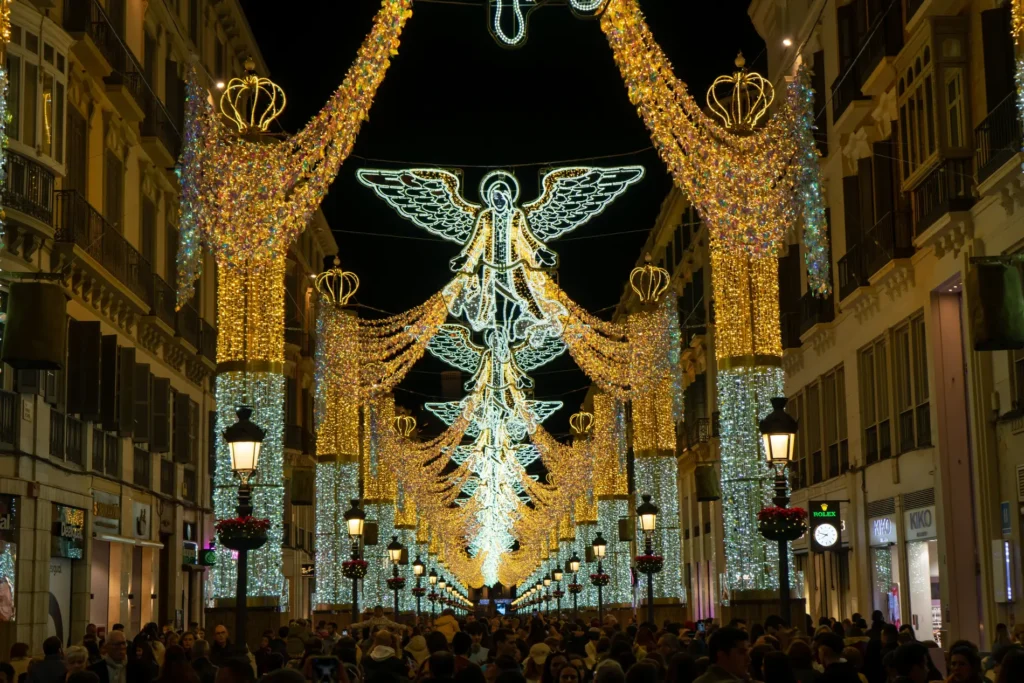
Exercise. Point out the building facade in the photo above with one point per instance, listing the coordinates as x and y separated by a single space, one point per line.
106 464
914 434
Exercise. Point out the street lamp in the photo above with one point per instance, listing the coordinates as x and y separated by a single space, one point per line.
432 580
395 553
417 571
244 440
648 514
355 519
778 432
574 567
600 548
557 575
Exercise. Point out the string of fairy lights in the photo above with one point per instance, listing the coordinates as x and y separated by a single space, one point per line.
465 499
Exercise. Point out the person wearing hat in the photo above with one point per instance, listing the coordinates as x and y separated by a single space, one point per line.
533 667
417 649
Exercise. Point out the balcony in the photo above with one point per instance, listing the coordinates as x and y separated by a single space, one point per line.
160 138
187 325
163 302
103 53
851 271
74 434
889 239
849 104
945 190
884 40
167 478
142 462
790 330
815 310
80 225
208 341
998 137
29 188
56 434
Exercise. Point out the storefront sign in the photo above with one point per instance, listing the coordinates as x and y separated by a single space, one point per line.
921 524
106 513
68 539
189 553
142 515
882 530
207 557
826 526
308 570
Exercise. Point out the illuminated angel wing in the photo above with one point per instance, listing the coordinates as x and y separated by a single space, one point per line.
453 345
430 198
529 356
572 196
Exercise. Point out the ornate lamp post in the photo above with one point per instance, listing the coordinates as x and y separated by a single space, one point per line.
575 587
648 563
547 592
432 580
417 571
244 441
600 579
778 432
557 575
396 582
355 568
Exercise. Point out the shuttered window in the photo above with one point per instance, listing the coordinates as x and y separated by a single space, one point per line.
113 190
84 342
143 395
160 441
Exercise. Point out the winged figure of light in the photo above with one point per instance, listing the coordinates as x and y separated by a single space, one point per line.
501 268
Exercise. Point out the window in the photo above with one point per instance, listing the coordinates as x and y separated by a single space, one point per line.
36 99
873 377
922 408
171 255
113 194
812 420
195 24
931 99
834 407
798 468
148 229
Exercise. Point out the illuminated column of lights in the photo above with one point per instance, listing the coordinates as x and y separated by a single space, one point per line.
611 488
657 476
585 534
379 494
263 391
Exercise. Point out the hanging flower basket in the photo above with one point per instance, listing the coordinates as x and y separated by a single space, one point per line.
649 564
419 591
547 597
600 579
432 597
396 583
242 533
575 588
558 595
782 524
354 569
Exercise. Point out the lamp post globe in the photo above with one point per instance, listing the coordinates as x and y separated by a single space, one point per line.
778 435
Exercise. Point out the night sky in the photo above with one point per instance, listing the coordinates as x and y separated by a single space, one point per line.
454 98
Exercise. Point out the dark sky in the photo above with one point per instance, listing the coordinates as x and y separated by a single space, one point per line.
454 98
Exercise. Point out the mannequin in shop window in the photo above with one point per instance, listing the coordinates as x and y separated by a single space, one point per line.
894 605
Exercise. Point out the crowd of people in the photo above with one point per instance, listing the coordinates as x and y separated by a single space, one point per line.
536 648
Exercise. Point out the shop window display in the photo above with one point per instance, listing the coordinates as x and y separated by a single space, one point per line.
925 605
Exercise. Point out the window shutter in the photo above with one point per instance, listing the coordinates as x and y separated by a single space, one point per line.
997 44
109 382
28 381
884 182
84 342
143 401
182 448
851 210
789 280
160 441
113 199
846 31
193 432
126 392
865 181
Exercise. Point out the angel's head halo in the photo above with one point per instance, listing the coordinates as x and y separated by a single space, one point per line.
497 183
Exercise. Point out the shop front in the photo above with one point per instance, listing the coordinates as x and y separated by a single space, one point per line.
885 567
67 547
922 546
105 569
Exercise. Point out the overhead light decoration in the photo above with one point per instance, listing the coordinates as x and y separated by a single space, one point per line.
508 20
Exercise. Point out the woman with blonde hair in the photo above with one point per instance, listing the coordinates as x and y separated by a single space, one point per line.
76 658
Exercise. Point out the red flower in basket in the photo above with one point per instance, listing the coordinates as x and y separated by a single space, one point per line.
396 583
243 526
432 597
600 579
419 591
354 569
649 564
558 594
782 524
575 588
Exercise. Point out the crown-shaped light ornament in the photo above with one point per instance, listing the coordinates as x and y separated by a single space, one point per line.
337 286
747 96
252 103
581 422
404 425
649 281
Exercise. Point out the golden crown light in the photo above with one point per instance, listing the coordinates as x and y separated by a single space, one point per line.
581 422
648 281
747 95
252 103
404 425
337 286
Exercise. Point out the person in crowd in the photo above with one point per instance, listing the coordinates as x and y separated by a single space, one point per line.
447 624
609 671
76 658
477 652
533 667
853 655
729 652
143 668
188 639
83 677
235 671
262 655
52 668
644 642
757 653
504 643
19 660
113 668
569 674
441 666
289 676
383 665
552 666
830 656
462 643
205 669
279 643
911 663
668 646
776 667
1012 667
681 669
964 665
416 650
222 649
177 668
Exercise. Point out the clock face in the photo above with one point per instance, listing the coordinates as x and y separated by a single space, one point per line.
826 535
